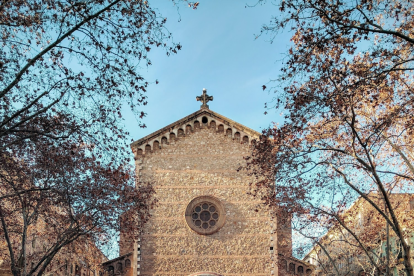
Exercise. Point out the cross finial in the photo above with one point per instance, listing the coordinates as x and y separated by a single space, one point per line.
204 99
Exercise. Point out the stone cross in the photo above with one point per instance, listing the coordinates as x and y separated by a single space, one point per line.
204 99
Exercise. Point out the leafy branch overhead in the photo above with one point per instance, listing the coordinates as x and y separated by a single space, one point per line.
76 58
63 199
66 70
347 90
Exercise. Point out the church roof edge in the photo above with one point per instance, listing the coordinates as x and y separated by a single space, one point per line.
190 117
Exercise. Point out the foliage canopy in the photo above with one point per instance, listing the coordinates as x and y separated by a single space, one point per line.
347 90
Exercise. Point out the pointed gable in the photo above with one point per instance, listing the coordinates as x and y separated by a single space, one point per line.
203 118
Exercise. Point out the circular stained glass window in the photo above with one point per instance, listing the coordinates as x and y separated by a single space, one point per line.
205 215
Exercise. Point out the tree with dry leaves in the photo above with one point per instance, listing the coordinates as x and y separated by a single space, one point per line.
341 250
66 70
56 198
346 89
79 58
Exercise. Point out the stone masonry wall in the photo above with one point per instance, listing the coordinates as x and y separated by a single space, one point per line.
204 162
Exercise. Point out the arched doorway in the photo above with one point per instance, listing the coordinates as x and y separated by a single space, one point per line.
205 274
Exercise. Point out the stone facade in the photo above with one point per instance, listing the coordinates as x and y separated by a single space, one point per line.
198 156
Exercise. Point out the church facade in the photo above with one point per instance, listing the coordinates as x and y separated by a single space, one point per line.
205 222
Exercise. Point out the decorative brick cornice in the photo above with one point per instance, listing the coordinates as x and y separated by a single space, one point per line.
192 117
190 120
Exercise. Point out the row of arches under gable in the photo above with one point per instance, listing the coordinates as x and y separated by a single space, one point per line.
189 128
292 268
119 267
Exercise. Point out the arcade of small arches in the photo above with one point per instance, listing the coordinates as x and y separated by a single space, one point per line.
188 128
119 267
292 268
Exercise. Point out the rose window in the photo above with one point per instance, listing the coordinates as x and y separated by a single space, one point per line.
205 215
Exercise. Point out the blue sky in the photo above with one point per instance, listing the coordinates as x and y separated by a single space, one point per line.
220 53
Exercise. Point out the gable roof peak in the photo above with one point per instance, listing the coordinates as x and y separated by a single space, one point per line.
203 118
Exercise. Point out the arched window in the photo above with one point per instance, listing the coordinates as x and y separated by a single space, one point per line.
292 267
164 140
188 129
221 128
237 136
172 136
300 269
308 271
127 263
213 124
156 145
245 139
196 125
180 133
283 264
147 149
119 266
229 132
